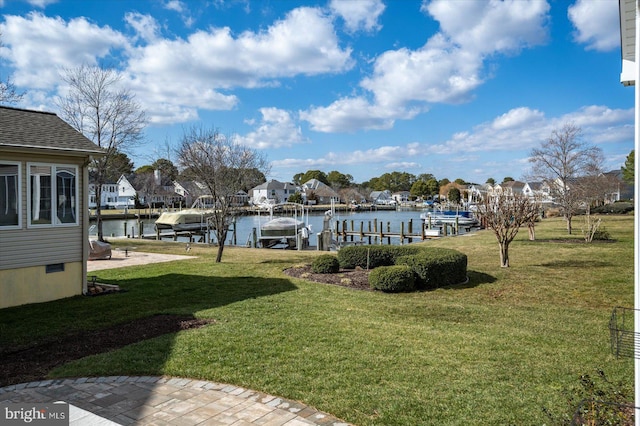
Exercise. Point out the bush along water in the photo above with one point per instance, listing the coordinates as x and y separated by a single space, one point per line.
432 267
325 264
392 279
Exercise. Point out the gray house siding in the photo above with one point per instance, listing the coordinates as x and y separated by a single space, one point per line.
42 245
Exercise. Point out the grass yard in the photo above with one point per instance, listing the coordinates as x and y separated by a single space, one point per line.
493 351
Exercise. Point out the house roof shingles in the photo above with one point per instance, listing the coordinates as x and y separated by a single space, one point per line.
22 129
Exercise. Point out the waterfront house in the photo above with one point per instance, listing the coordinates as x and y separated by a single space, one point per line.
44 215
272 191
321 192
381 197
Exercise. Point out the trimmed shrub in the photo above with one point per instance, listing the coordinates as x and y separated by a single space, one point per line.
325 264
392 279
373 256
619 207
436 268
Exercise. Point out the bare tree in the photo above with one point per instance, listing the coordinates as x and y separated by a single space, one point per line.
560 162
8 92
223 167
105 113
504 215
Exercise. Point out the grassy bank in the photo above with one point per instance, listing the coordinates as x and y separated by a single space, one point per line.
493 351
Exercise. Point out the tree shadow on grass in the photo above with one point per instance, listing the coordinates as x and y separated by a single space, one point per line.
114 318
148 308
576 264
475 279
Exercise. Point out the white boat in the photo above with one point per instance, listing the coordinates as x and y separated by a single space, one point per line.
193 219
462 218
290 231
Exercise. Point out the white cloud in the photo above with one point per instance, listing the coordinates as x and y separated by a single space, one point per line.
359 14
67 44
516 118
523 128
303 43
175 5
191 72
175 77
435 73
447 69
487 27
40 3
402 165
144 25
381 155
351 114
597 24
276 129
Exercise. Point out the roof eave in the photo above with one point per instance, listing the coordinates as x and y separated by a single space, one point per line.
58 151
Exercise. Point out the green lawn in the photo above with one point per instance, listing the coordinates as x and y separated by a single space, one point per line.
493 351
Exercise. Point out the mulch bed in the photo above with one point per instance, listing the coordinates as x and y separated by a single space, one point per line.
20 364
357 279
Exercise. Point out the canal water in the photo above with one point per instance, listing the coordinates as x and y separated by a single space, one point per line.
390 221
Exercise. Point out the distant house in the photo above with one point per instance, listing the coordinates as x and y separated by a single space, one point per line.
381 197
113 195
620 190
108 195
539 191
272 191
401 196
511 188
322 193
154 189
44 216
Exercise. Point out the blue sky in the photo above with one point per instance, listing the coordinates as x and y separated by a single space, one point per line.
459 89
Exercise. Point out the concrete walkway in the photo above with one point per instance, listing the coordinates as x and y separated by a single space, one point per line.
125 400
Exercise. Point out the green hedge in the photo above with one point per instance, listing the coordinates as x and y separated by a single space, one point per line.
433 266
438 268
392 279
325 264
373 256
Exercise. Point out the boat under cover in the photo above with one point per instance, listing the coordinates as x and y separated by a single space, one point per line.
288 230
184 220
462 218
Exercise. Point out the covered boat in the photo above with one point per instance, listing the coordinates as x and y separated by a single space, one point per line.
462 218
290 231
193 219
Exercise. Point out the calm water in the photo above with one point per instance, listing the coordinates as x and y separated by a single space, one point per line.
246 224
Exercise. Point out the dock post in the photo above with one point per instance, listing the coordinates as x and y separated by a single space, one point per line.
388 232
141 232
125 228
255 238
369 234
401 233
410 230
344 230
361 231
352 230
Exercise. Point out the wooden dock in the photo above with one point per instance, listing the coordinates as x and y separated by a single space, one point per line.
377 232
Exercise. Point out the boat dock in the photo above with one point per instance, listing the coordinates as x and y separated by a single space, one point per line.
377 232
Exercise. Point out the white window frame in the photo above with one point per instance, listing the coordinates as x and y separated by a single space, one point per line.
18 195
55 222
